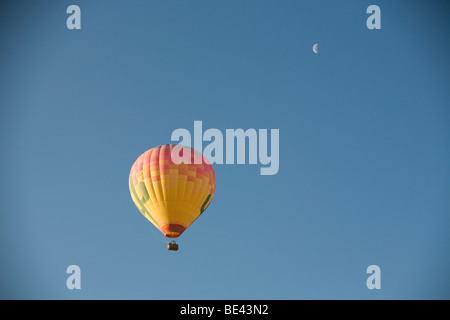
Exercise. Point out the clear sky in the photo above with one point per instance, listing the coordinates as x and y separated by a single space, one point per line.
364 173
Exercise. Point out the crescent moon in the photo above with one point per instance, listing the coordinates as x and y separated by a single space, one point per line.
316 48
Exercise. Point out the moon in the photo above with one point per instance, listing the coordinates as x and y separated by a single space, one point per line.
316 48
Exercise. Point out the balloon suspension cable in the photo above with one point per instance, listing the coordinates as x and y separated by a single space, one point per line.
158 236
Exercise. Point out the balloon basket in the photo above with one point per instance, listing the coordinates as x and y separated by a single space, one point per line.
172 246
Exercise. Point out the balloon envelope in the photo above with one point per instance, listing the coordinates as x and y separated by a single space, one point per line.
172 195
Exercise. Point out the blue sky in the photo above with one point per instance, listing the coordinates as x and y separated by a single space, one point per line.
364 148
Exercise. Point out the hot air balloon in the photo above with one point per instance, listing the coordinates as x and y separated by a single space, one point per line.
172 195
